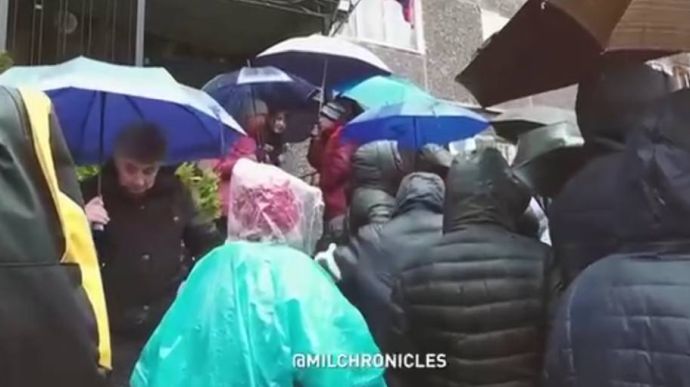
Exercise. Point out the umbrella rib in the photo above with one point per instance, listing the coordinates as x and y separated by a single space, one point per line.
86 120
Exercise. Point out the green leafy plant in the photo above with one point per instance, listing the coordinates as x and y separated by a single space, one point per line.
6 61
87 171
203 184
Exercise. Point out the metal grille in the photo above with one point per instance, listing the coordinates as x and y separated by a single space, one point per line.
52 31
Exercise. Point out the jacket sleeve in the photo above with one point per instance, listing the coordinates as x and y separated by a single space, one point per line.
200 235
315 152
554 288
340 165
398 338
244 147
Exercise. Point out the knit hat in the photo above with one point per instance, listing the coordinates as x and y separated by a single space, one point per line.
334 111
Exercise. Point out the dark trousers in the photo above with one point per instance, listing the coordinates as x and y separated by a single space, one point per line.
126 353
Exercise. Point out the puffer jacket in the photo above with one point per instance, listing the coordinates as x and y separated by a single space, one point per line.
478 295
377 169
609 105
625 321
582 216
376 253
331 155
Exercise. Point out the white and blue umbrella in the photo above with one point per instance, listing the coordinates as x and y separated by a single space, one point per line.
279 89
94 101
322 60
415 124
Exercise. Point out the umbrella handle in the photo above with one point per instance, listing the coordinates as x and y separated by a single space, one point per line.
323 83
101 144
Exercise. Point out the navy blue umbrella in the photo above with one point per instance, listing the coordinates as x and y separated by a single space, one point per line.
415 124
94 101
280 90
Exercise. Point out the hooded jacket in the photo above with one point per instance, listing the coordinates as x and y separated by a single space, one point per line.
377 252
582 217
626 319
53 319
377 172
616 99
479 294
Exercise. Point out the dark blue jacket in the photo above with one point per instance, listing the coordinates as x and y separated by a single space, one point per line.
377 253
625 321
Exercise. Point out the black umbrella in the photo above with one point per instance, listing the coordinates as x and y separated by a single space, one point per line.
515 122
547 157
551 44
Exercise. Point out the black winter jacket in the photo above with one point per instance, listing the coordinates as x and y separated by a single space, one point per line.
147 248
377 172
478 295
625 321
375 255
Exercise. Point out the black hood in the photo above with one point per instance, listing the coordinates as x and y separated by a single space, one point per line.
615 100
378 165
655 178
481 189
420 190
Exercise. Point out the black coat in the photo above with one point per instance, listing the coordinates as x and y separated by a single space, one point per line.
147 248
625 321
478 295
377 169
375 255
582 218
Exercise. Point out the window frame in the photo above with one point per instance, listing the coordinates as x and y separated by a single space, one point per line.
418 31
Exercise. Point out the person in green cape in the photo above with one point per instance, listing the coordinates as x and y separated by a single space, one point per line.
254 309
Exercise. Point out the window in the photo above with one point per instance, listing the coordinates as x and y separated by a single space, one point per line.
383 22
492 22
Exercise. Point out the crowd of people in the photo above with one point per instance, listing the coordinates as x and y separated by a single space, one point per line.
438 252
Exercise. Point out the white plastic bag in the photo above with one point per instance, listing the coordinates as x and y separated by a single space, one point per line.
268 204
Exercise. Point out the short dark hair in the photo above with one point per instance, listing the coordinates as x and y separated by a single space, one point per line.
142 142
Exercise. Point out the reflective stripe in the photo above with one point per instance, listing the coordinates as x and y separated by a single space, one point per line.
79 245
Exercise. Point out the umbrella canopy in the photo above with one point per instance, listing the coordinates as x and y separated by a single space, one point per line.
547 157
280 90
515 122
384 90
415 124
551 44
323 60
94 101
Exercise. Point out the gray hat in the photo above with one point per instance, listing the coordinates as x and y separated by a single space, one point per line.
334 111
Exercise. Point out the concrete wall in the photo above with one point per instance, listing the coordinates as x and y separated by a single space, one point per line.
452 34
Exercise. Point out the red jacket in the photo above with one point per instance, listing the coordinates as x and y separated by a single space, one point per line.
244 146
331 156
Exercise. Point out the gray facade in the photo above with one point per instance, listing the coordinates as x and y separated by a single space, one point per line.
453 33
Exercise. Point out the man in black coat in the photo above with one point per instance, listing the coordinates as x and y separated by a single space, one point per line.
374 256
147 231
625 320
377 169
610 105
479 295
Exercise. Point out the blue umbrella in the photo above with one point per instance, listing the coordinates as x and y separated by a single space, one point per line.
94 101
280 90
415 124
380 90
